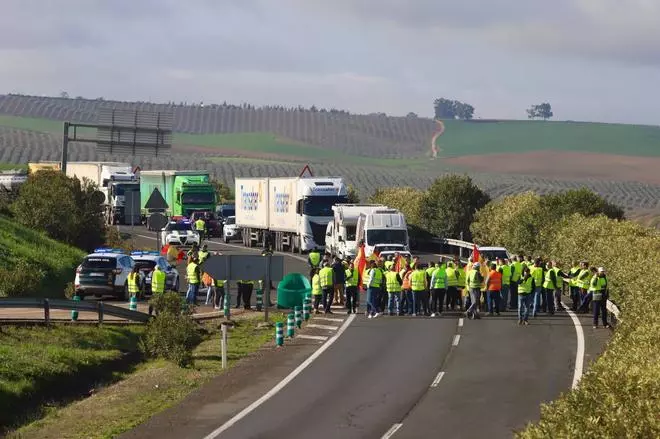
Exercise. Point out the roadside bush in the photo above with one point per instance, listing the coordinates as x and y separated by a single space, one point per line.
172 334
619 395
7 196
20 280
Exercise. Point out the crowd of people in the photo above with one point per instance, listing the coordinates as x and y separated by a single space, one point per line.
399 286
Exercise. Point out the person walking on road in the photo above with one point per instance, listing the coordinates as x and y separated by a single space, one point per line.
493 290
317 291
516 274
549 288
475 281
504 267
194 277
525 296
598 289
374 290
438 288
339 278
583 278
407 296
537 273
573 286
393 283
200 228
134 282
352 275
326 275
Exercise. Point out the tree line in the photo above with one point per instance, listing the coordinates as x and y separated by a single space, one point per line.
444 108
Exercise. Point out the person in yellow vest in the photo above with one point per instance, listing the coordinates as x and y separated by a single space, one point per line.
134 283
573 285
326 276
526 288
374 289
172 254
598 290
194 278
475 280
388 263
419 286
537 273
463 290
200 227
352 301
157 281
218 293
504 268
314 261
317 291
203 254
393 283
452 276
583 278
516 274
438 288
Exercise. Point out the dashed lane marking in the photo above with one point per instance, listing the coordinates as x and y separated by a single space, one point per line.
305 364
437 379
328 319
312 337
328 327
391 431
460 322
457 338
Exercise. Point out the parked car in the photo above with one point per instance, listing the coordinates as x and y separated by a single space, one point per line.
213 226
179 233
230 230
104 272
147 261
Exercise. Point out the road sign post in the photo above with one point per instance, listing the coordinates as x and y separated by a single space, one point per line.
156 205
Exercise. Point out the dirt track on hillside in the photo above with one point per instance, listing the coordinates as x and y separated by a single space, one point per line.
565 165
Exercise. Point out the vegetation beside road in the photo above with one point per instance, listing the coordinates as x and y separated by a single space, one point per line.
39 365
153 387
619 395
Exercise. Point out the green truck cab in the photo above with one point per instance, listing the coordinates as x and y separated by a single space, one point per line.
183 191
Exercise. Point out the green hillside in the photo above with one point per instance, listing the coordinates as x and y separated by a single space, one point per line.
26 248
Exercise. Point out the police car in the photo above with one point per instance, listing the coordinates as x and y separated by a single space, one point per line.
179 232
104 272
146 261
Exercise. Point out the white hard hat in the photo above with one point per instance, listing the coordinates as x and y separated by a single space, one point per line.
601 269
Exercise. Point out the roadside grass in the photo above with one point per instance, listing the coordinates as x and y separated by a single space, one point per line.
153 387
38 365
58 261
475 137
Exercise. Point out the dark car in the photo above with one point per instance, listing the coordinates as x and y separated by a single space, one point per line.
213 226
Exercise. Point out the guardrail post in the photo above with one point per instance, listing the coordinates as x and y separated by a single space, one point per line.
279 333
298 316
74 311
223 343
99 306
47 312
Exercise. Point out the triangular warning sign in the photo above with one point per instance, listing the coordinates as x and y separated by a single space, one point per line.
306 172
156 201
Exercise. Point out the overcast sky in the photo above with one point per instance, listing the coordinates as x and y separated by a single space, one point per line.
591 59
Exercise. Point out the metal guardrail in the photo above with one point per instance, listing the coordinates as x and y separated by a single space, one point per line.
99 307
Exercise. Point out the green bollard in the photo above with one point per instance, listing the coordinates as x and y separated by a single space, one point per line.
299 317
226 306
260 299
132 305
307 309
290 325
279 333
74 312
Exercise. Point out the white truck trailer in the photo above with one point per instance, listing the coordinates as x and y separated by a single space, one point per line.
384 231
341 233
290 213
114 179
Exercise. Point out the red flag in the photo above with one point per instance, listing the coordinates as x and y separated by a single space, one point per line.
397 263
360 262
475 253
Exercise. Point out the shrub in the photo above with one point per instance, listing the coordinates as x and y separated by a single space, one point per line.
170 302
20 280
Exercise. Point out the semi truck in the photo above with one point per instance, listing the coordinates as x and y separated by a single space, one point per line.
289 213
184 191
341 233
113 179
384 231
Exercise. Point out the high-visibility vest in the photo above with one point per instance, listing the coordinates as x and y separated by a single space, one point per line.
506 274
407 284
191 271
495 281
516 273
558 278
429 271
315 259
418 280
326 277
202 255
525 286
316 285
133 283
388 265
473 280
549 284
351 277
219 283
452 277
440 274
392 282
583 278
377 275
537 274
158 281
462 277
596 287
200 225
573 282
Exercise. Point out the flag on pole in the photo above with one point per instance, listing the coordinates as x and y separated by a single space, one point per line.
475 253
360 262
397 263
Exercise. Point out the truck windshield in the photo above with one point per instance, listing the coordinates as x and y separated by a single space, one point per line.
121 189
350 233
198 198
321 205
387 236
228 211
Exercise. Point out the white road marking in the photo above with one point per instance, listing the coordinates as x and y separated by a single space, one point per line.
579 354
457 338
305 364
437 379
391 431
460 322
328 327
312 337
329 319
